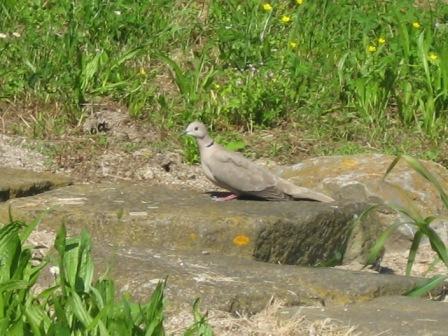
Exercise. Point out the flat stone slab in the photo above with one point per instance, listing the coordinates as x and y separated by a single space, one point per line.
20 182
236 284
141 216
386 316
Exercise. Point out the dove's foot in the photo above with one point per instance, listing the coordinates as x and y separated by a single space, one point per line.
226 198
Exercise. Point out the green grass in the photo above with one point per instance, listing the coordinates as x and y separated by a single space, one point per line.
75 304
229 62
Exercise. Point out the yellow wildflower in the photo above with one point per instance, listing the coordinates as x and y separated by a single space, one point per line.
241 240
267 7
371 48
381 40
293 44
416 24
142 71
285 19
433 56
299 2
216 86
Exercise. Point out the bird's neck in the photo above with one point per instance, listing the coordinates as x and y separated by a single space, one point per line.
205 142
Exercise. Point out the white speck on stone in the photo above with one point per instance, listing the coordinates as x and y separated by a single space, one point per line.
72 201
138 213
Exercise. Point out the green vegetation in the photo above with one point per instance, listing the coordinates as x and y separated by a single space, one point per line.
230 63
422 227
75 304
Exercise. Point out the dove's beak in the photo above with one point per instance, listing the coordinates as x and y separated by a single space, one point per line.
184 132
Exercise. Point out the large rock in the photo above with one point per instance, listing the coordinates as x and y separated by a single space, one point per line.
360 178
388 316
236 284
143 234
141 216
21 182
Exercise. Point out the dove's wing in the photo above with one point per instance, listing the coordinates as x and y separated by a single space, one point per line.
238 174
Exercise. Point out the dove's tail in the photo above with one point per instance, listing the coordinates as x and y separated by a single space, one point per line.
301 193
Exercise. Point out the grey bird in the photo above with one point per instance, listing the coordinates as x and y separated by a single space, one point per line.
241 176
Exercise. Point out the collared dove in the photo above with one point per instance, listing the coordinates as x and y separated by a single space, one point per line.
232 171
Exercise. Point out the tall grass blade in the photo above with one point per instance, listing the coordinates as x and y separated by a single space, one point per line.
413 251
427 286
437 245
378 247
200 326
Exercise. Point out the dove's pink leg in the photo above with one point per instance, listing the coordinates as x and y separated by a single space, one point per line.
226 198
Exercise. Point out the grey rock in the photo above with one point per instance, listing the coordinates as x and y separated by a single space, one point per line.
21 182
135 215
389 316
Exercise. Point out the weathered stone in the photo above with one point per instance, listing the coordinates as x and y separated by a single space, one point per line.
20 182
360 178
233 284
135 215
389 316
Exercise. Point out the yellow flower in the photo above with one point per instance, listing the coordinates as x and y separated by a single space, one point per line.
285 19
142 71
267 7
241 240
416 24
371 48
299 2
381 40
293 44
216 86
433 56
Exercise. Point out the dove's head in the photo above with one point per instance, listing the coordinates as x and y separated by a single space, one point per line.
197 129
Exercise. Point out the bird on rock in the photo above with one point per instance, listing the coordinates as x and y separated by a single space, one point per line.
241 176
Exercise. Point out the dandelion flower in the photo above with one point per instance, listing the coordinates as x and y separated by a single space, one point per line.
371 48
293 44
416 24
433 56
381 40
267 7
285 19
299 2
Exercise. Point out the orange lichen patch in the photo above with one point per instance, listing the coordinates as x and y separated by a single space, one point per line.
349 163
193 236
241 240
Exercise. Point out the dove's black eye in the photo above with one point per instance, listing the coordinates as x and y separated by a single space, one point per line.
196 128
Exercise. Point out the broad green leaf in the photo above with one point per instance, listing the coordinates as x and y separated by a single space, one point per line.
85 263
12 285
154 312
78 308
